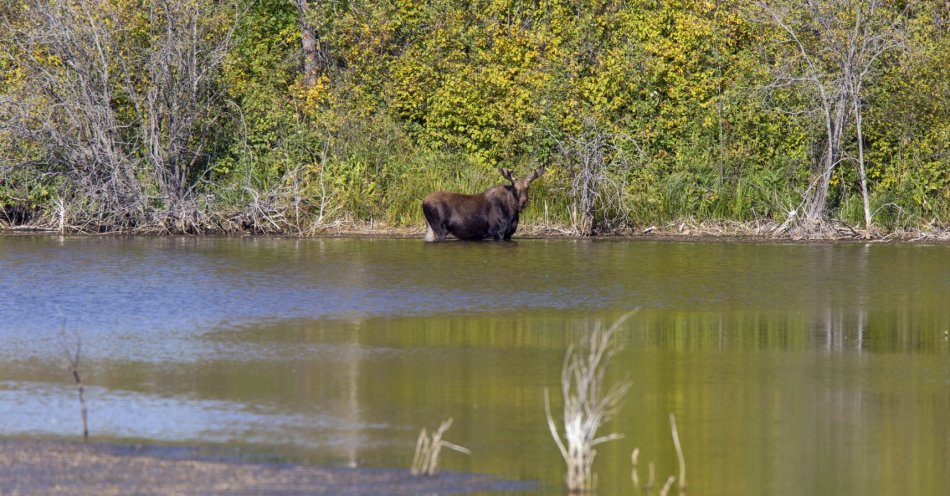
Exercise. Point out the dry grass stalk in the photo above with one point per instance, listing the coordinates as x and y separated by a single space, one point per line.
587 405
426 459
634 476
669 484
671 479
679 454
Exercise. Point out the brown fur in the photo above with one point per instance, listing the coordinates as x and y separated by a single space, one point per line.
492 214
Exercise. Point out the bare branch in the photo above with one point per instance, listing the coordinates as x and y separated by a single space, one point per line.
78 65
72 364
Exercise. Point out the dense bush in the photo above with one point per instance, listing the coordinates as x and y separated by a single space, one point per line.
211 115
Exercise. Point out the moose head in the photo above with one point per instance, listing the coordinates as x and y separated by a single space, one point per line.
519 185
491 214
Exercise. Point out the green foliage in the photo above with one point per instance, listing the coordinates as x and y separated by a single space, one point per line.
415 96
909 124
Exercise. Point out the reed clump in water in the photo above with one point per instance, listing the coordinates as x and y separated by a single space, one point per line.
588 404
428 448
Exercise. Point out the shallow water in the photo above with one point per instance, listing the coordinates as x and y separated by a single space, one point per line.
791 368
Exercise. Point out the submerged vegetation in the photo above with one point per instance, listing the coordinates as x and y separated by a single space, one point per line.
189 116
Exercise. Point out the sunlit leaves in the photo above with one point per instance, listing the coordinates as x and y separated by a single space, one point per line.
407 84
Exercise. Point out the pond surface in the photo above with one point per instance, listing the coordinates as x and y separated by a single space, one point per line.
791 368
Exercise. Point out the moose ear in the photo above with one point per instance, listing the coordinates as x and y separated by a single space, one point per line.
506 174
537 173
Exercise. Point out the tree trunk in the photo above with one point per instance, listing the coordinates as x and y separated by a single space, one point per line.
815 206
862 171
837 60
310 44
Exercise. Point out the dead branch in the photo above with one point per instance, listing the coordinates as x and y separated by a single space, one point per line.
72 362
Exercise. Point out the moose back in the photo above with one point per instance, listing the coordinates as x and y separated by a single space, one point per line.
492 214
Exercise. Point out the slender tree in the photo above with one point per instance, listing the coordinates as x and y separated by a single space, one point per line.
829 50
874 32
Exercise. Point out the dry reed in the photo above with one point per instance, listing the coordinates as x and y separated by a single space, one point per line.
588 405
428 448
681 460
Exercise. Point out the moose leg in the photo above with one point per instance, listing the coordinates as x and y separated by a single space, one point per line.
512 227
437 233
435 227
502 233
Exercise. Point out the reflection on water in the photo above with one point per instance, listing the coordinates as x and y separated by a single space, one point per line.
46 409
792 369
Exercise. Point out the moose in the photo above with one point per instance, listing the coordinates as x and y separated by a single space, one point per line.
492 214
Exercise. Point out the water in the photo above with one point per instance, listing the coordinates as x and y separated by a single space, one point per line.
791 368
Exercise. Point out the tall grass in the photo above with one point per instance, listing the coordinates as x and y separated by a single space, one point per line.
368 171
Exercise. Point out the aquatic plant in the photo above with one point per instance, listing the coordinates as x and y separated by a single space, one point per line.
588 404
428 448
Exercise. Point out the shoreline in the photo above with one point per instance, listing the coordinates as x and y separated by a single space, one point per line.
724 231
54 467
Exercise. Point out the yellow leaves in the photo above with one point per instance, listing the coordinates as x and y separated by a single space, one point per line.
313 98
45 58
473 86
